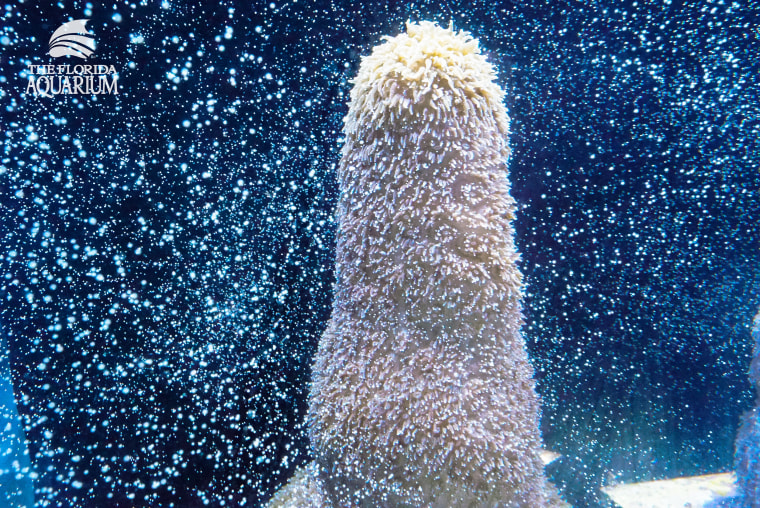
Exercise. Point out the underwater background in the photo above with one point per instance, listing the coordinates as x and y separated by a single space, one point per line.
167 253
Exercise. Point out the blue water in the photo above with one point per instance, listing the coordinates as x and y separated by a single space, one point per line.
16 475
167 253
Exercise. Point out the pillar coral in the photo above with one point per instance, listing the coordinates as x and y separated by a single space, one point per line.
748 439
423 394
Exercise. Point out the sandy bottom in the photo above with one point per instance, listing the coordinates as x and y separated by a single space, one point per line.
690 492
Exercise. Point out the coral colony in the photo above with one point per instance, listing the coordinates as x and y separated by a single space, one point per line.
423 394
748 439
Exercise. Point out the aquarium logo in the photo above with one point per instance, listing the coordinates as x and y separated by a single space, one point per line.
72 40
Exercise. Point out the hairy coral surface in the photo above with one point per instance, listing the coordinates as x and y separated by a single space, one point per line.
423 394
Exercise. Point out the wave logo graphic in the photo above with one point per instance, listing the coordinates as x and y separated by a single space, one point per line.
72 39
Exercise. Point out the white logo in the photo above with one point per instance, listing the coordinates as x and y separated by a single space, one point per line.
72 39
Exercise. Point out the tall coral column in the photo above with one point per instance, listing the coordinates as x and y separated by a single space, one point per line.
748 439
422 392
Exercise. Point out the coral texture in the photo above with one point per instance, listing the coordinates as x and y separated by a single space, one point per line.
301 491
422 391
748 438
